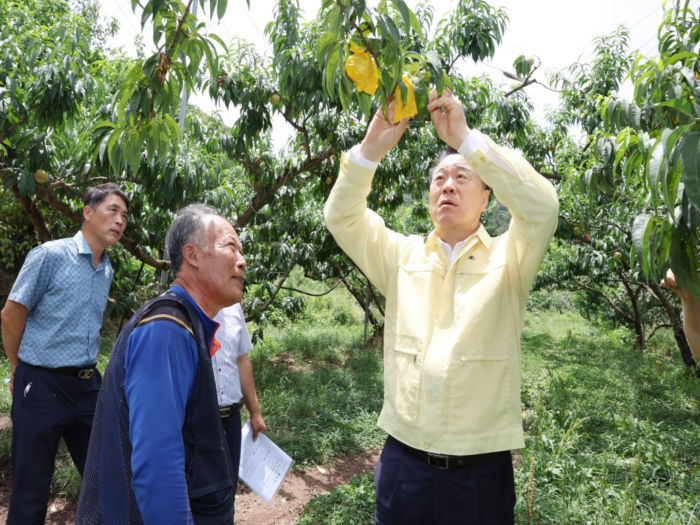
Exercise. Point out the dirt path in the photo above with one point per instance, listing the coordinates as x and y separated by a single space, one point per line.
285 508
298 488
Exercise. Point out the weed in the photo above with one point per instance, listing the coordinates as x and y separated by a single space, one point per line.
351 504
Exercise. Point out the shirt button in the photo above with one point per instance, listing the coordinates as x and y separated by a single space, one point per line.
426 444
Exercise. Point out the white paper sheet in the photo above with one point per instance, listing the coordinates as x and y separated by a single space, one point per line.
263 464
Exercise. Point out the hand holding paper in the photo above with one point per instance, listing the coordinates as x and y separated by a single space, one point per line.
263 464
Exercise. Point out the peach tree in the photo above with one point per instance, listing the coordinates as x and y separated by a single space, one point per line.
628 195
76 114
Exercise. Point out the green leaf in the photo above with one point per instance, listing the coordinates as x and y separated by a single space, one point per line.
221 8
344 95
334 20
684 265
174 131
326 45
690 166
131 151
691 80
210 53
26 184
415 24
103 147
112 154
657 166
421 93
682 105
634 115
669 138
441 81
147 10
365 101
329 72
641 232
216 38
409 18
389 30
102 124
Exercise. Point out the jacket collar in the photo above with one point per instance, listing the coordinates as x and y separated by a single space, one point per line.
480 235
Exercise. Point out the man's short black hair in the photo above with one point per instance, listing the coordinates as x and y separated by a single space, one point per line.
446 152
95 195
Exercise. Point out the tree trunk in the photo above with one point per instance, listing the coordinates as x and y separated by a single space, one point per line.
361 299
636 321
34 216
677 325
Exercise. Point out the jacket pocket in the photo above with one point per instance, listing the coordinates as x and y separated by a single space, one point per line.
403 375
417 286
479 388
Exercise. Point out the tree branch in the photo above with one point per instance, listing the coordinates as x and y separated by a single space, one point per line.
655 328
34 216
131 246
19 123
552 176
358 297
376 300
92 180
360 33
311 294
264 307
266 193
528 81
609 300
686 355
178 31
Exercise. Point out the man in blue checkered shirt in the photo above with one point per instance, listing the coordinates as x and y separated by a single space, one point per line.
51 334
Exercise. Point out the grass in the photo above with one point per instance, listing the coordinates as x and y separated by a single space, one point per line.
319 387
348 504
612 435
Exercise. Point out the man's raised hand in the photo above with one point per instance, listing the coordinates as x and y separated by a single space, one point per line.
381 134
448 118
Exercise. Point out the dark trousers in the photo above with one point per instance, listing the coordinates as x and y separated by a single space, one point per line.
232 429
410 492
46 406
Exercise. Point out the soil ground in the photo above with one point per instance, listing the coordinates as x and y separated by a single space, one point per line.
285 508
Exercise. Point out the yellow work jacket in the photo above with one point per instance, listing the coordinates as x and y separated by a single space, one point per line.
452 332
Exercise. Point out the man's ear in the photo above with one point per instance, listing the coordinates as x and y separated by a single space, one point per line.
88 212
486 195
190 254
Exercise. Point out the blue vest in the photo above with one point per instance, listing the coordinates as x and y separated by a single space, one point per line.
106 496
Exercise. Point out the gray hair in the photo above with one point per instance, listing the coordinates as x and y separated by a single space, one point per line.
187 227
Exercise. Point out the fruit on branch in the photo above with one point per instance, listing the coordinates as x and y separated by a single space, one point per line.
41 176
362 70
404 109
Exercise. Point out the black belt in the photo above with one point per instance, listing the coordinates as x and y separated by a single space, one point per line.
231 409
445 461
81 372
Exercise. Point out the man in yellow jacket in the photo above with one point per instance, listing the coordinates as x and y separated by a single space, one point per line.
454 312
